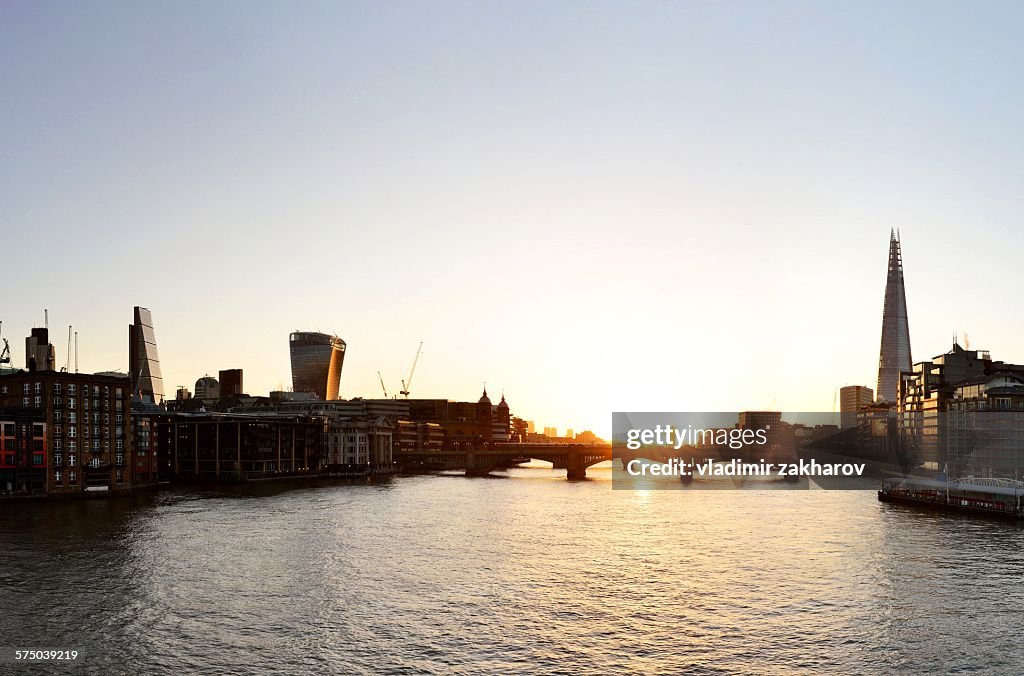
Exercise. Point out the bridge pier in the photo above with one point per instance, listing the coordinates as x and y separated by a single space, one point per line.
576 474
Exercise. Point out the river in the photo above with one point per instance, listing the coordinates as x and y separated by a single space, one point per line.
521 572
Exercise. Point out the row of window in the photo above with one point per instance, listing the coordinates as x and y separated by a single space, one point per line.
73 476
58 431
71 389
72 445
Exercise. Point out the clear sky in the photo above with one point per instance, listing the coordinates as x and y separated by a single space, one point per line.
592 206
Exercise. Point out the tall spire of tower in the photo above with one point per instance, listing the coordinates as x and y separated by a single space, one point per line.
894 355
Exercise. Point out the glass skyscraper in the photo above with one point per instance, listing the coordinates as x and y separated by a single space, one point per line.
316 363
894 355
143 361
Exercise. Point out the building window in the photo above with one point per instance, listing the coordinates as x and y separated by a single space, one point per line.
26 388
58 416
57 401
72 476
118 392
95 462
39 387
119 475
71 462
58 460
72 417
39 401
56 476
72 430
26 402
72 446
119 446
72 389
119 418
71 402
57 444
56 388
119 459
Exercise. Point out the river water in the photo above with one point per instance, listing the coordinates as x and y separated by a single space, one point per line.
521 572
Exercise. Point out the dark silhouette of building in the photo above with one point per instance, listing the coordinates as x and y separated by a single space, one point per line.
143 361
39 353
231 383
231 448
894 354
316 359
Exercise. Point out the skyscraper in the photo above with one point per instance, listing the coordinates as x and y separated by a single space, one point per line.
143 361
316 363
894 355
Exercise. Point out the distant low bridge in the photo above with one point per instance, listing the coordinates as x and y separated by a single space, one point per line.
482 459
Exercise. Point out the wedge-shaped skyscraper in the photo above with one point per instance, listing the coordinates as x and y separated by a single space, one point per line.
894 355
143 361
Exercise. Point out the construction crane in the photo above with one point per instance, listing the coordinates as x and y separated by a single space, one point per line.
407 383
5 355
382 384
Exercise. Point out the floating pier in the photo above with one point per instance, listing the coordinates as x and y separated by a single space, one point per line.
993 497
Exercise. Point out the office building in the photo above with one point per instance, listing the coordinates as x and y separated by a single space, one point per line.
39 353
143 361
207 388
894 354
853 398
231 383
316 360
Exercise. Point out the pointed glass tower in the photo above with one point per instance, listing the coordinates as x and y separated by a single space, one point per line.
894 355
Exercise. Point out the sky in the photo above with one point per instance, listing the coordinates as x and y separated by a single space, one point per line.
590 206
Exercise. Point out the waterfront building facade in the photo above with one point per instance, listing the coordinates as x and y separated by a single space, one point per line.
233 448
925 392
360 446
23 443
894 354
984 423
87 423
316 360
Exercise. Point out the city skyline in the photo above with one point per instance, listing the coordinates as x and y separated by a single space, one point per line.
719 182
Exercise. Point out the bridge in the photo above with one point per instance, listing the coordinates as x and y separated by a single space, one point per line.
480 459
